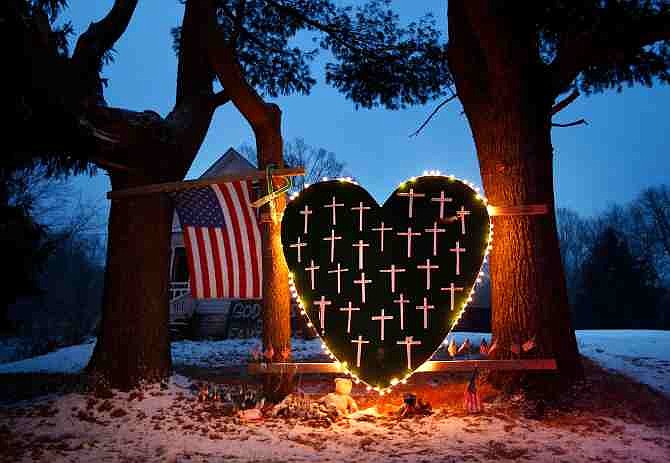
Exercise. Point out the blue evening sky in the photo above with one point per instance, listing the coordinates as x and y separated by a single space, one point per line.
623 150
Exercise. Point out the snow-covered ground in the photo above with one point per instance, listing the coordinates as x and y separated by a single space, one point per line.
171 425
641 354
203 354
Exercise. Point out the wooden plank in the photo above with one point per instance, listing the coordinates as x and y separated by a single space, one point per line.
430 366
528 209
502 365
188 184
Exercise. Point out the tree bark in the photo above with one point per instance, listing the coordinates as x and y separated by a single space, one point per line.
265 121
529 295
506 95
276 295
134 345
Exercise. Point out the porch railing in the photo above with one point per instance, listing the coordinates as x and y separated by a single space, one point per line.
178 289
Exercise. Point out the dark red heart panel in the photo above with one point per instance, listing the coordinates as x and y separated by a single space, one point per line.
384 286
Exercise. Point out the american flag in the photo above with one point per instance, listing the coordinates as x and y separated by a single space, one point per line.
471 398
223 241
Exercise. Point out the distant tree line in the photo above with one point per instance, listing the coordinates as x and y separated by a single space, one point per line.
54 264
617 264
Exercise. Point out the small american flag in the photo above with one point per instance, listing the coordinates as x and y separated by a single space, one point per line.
223 241
471 398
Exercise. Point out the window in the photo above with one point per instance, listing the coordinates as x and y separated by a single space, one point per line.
179 265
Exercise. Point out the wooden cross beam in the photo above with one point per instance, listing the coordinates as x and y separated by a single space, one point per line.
188 184
430 366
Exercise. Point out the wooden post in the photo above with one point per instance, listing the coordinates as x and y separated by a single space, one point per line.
199 183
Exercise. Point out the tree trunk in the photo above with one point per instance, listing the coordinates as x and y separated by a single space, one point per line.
529 295
276 295
506 95
134 343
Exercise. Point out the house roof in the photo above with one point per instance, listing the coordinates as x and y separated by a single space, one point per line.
230 162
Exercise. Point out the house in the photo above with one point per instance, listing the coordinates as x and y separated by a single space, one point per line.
209 318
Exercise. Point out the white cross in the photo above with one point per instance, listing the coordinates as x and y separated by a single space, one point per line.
360 210
362 282
442 199
382 318
311 269
298 245
425 307
306 212
332 238
461 215
360 245
360 343
452 289
334 205
349 309
402 302
458 250
409 342
322 303
435 231
411 195
409 235
428 268
381 231
393 271
339 278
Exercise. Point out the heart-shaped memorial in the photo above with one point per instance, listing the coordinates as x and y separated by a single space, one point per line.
383 286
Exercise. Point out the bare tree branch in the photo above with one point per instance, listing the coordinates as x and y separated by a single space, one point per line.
100 36
428 119
565 102
220 98
570 124
194 73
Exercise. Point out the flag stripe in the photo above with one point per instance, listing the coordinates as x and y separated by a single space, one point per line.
243 242
257 261
209 254
230 264
216 254
232 242
203 268
223 239
197 274
246 221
